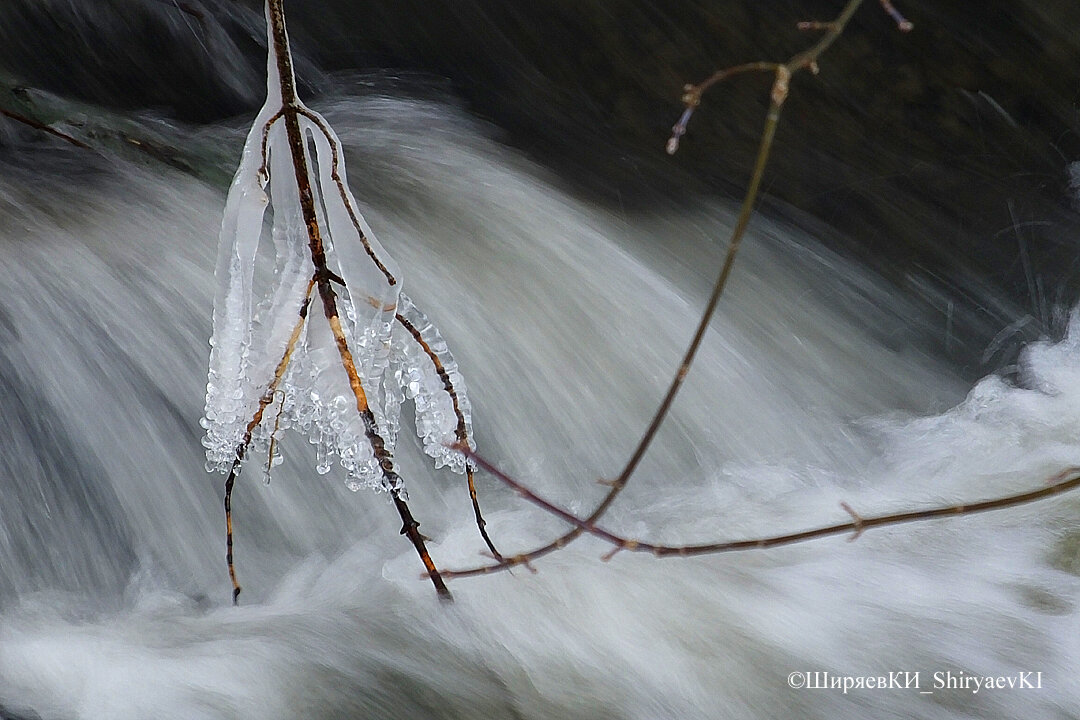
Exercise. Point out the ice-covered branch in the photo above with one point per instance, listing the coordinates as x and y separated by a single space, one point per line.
340 382
256 420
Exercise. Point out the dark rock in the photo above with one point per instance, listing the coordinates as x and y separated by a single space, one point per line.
939 153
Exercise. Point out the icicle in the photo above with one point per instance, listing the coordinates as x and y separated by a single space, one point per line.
229 400
436 418
253 326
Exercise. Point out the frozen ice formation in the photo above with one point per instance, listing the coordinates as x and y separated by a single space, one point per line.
398 352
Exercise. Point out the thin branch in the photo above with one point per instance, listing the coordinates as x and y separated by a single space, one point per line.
264 173
692 98
461 431
807 59
659 416
1063 482
902 23
42 126
230 480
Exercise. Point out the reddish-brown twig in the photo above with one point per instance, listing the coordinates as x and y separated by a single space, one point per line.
1064 481
43 127
692 98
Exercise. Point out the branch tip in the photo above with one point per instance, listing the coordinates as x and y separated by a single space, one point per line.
679 128
902 23
611 553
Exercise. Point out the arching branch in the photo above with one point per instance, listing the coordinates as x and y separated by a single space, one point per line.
1064 481
783 73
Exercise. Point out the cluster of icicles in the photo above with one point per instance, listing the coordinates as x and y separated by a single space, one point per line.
253 326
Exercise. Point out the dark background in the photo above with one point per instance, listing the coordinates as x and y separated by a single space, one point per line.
941 156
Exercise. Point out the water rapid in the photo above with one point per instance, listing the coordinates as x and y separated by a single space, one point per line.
817 384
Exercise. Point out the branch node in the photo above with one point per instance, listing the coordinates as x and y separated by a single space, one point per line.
691 95
856 519
781 85
497 557
523 560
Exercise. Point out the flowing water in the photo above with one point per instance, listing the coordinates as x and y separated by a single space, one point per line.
815 385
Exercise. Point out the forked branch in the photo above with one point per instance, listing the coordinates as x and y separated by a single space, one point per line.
308 186
1062 482
692 98
461 430
335 175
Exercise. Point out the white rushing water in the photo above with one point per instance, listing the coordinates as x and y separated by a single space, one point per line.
567 321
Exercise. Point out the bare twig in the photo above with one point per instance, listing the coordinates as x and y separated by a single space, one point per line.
1064 481
42 126
902 23
692 98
